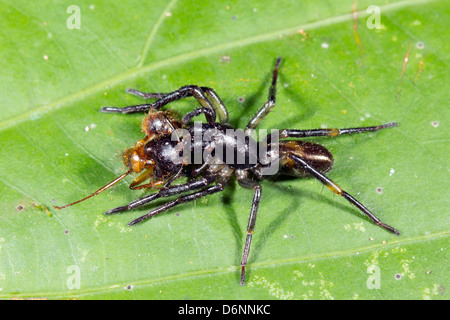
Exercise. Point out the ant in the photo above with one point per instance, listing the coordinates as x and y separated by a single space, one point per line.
153 156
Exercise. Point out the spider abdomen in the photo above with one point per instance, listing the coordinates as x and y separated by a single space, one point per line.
314 154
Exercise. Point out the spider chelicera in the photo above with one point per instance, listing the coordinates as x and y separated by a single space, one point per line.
164 154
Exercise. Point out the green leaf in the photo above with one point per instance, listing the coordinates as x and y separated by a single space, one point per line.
308 242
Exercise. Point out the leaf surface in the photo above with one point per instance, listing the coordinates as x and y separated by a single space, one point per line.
308 243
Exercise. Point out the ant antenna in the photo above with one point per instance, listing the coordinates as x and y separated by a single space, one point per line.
98 191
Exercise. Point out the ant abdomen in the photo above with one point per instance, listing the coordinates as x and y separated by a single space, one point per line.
314 154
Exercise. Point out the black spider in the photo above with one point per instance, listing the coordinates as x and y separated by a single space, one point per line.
219 152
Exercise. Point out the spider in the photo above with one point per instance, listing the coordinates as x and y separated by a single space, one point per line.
163 155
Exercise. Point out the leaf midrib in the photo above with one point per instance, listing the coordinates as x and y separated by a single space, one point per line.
140 69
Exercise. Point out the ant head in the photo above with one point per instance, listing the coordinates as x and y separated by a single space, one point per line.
154 125
136 159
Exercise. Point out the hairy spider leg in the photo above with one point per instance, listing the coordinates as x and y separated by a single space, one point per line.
195 172
253 185
164 98
200 93
129 109
210 115
146 95
218 104
293 133
214 98
273 87
218 187
170 191
265 109
338 190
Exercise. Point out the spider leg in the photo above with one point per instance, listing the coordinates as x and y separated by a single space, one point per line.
219 186
201 168
339 191
253 185
265 109
129 109
293 133
146 95
214 98
218 104
332 132
210 115
173 190
199 93
163 99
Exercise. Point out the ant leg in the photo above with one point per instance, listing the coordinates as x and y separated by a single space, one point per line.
292 133
183 199
249 184
265 109
173 190
339 191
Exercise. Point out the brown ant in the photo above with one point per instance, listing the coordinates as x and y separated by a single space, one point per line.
153 157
